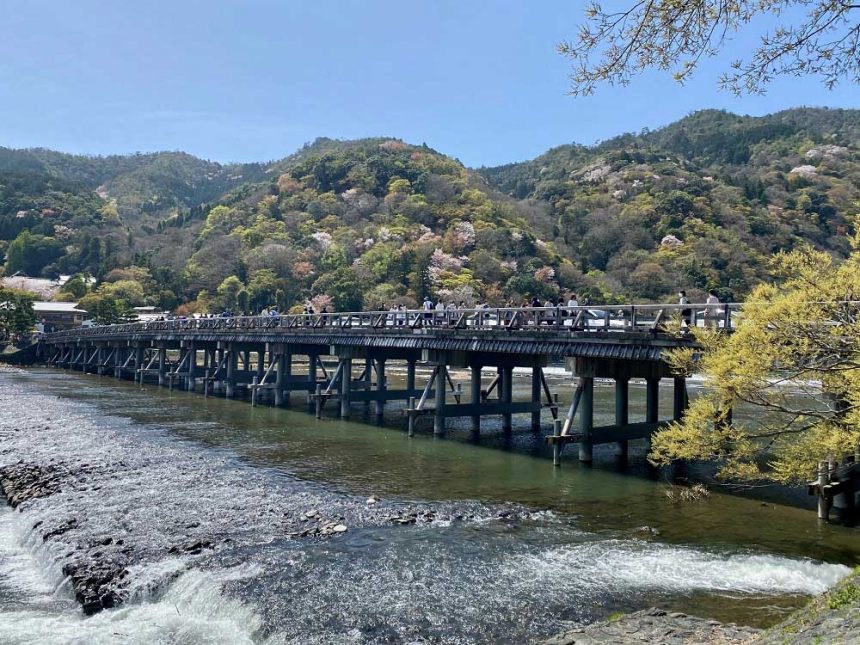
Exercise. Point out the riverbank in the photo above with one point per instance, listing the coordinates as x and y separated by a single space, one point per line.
833 617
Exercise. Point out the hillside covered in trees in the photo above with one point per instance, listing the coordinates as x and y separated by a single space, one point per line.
699 204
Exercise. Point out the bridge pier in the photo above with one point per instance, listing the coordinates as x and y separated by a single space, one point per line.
439 413
232 357
282 372
191 378
622 413
506 387
121 356
162 365
586 419
680 401
381 387
476 399
652 402
345 386
537 381
312 379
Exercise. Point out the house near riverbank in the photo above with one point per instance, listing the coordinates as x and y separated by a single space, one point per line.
55 316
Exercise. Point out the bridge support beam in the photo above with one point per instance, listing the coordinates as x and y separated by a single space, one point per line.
312 380
506 388
410 374
652 403
622 412
120 355
476 399
232 357
191 378
586 419
381 386
162 366
282 373
441 383
345 387
679 398
536 387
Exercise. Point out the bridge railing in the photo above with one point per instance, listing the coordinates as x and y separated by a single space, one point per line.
562 319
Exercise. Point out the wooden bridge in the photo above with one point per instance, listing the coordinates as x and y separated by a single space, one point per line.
258 356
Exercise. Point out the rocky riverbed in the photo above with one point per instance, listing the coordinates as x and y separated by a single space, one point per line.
98 567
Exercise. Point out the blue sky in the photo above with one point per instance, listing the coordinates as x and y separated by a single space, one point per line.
254 80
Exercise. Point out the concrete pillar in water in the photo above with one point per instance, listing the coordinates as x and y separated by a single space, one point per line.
280 373
586 418
556 446
191 379
100 358
261 365
823 480
345 386
380 387
368 379
476 398
138 361
230 380
622 412
410 375
507 389
119 359
220 362
312 380
652 399
441 385
246 359
679 398
536 385
162 365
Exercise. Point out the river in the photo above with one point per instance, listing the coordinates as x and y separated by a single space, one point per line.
468 543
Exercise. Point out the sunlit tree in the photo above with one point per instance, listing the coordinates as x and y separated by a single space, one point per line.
795 360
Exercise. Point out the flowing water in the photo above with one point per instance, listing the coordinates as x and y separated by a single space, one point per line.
516 549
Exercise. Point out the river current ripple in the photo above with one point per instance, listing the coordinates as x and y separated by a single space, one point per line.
476 573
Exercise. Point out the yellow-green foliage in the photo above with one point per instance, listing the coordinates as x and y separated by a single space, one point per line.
844 596
794 358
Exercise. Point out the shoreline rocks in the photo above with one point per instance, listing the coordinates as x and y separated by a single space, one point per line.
97 570
656 627
832 617
21 482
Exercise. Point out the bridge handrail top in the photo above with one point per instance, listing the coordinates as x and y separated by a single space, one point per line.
609 316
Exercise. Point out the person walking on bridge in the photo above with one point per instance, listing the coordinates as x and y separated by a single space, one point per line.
686 313
712 311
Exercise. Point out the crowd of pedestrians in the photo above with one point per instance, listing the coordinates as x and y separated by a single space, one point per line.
534 311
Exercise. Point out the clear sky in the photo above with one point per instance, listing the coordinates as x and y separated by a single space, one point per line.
253 80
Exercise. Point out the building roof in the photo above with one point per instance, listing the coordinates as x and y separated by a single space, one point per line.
41 307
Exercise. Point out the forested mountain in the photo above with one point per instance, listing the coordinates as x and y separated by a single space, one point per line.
701 203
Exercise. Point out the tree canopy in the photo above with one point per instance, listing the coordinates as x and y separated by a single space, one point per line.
813 37
16 313
794 360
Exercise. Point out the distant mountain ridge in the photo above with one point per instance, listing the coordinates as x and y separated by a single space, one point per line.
697 204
